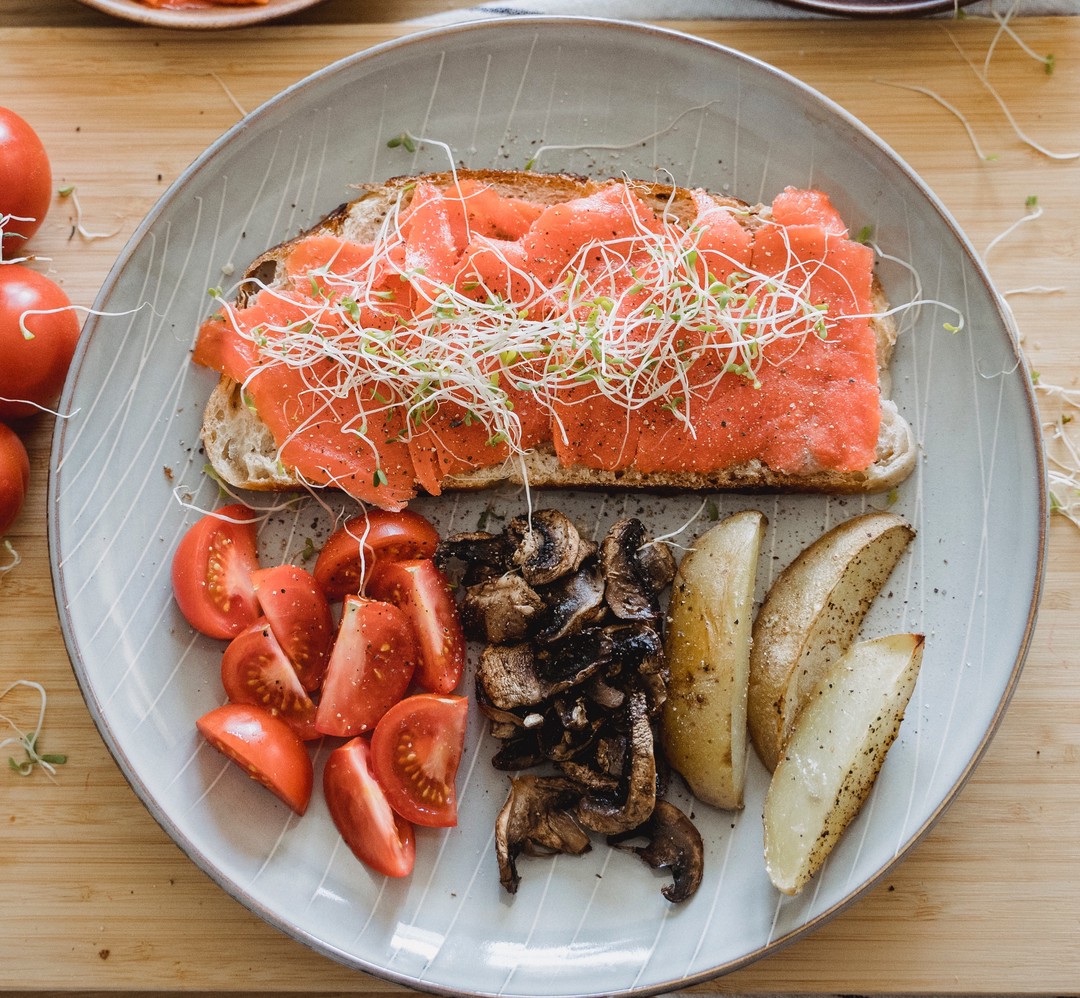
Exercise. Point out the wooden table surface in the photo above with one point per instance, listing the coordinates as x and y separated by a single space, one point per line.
94 897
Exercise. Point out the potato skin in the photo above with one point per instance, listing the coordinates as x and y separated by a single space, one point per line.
708 652
834 754
810 617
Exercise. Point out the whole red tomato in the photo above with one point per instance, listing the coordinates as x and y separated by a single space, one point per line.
14 476
33 364
25 181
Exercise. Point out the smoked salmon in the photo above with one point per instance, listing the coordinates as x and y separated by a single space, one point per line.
620 331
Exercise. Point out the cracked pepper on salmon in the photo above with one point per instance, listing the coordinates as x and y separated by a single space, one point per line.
478 325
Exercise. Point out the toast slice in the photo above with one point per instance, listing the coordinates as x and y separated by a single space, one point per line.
244 453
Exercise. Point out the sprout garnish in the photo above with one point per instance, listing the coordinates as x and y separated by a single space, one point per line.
463 345
29 740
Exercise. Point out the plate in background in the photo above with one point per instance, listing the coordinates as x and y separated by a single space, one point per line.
566 93
880 8
208 18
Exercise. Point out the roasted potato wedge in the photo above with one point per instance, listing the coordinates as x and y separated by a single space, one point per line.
810 617
708 651
834 754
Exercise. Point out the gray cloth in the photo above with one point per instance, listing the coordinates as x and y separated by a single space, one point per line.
670 10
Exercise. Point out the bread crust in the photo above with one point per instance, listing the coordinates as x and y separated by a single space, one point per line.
243 453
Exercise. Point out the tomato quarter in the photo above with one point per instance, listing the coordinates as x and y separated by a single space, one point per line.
14 476
211 572
353 549
421 590
293 672
371 829
33 364
415 751
265 747
255 670
371 666
300 618
25 182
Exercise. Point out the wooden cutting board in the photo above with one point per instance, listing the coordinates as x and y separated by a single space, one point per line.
95 897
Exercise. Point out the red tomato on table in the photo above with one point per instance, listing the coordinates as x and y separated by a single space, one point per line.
416 749
33 364
376 835
300 618
211 572
371 666
25 181
351 551
14 476
421 590
265 747
255 670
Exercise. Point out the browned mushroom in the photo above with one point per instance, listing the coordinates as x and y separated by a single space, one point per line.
639 651
499 610
506 677
629 573
612 814
570 724
674 844
602 769
657 564
547 546
605 694
483 554
518 750
573 675
571 603
509 677
537 819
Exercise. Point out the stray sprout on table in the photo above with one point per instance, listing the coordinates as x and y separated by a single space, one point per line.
29 740
982 77
228 93
1062 447
1006 29
69 192
982 74
13 559
1062 450
960 116
1033 211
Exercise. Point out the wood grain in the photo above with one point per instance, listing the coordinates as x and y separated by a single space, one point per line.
96 898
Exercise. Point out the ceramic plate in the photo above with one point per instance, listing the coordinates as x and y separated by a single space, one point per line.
128 478
207 18
881 8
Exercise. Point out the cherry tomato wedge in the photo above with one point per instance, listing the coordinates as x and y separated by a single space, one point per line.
256 671
265 746
300 618
421 590
14 476
415 751
354 548
211 572
371 829
372 663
